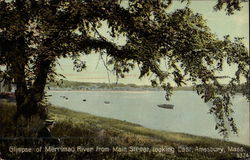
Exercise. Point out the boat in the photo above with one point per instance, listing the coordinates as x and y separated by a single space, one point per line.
166 106
106 102
64 97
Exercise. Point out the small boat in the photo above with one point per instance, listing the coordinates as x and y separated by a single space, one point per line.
166 106
84 100
106 102
64 97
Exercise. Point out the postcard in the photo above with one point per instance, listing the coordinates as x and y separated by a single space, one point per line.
123 79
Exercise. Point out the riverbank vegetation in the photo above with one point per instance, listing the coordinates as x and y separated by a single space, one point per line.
75 85
106 138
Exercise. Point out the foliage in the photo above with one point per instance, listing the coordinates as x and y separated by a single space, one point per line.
36 33
231 5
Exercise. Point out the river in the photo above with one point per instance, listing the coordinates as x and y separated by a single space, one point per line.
190 113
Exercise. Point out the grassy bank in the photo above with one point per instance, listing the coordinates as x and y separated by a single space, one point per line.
105 138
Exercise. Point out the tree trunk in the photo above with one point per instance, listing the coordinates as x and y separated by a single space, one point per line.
27 100
18 68
36 92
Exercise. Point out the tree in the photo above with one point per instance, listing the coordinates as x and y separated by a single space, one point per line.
36 33
231 5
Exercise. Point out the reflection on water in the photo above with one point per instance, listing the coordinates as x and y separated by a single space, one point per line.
190 113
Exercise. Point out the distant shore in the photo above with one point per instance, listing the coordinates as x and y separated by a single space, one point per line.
90 86
101 90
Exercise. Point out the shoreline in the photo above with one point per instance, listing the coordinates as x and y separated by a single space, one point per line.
104 90
139 91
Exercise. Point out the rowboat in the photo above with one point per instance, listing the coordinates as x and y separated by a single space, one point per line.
166 106
106 102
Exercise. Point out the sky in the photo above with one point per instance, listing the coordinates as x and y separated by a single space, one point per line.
236 25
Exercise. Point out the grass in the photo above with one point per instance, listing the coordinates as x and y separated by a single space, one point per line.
82 129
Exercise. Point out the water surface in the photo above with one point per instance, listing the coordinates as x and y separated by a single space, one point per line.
190 113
